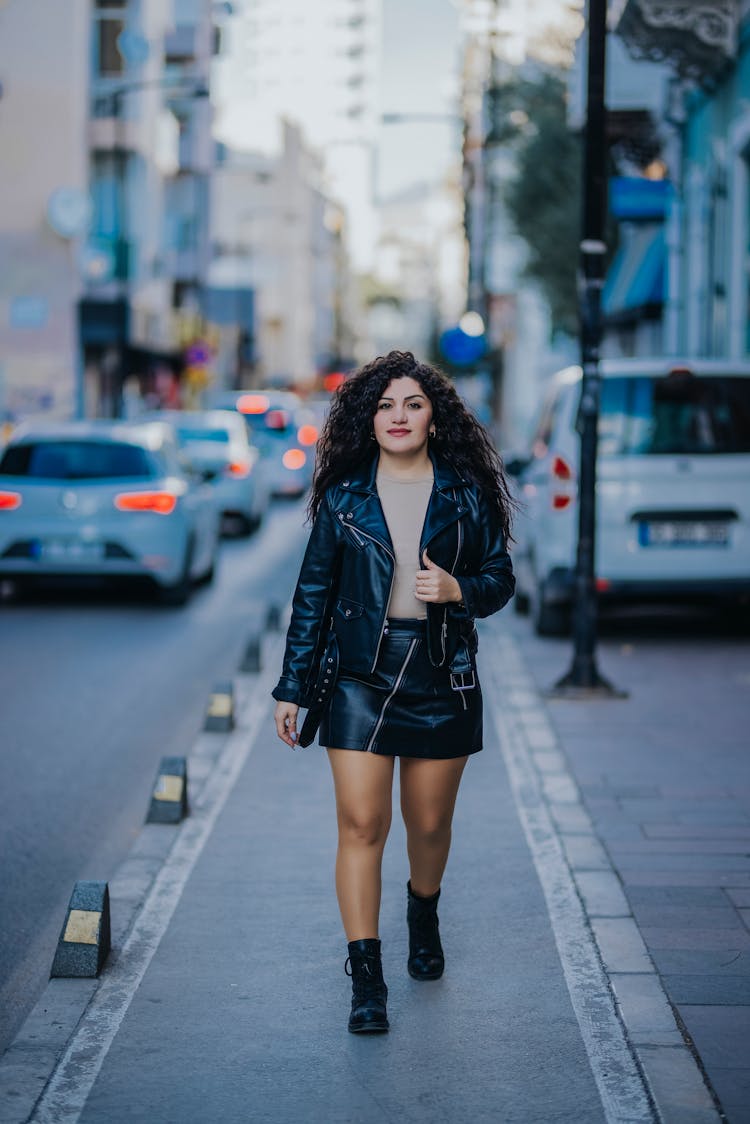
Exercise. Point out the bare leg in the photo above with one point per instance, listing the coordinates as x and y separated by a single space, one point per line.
428 797
363 784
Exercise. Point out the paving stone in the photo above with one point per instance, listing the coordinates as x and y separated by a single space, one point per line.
602 893
685 916
549 761
684 878
585 852
621 945
664 857
572 819
677 1086
560 789
721 1034
645 1009
734 848
696 831
745 915
740 896
730 940
708 962
692 897
717 990
733 1088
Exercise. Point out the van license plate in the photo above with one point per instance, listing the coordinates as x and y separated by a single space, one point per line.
663 533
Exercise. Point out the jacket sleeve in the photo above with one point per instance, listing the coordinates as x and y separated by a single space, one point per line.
485 592
311 607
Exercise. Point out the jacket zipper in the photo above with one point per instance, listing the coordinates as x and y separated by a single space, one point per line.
395 687
444 626
359 531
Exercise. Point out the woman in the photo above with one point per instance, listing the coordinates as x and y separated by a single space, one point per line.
408 545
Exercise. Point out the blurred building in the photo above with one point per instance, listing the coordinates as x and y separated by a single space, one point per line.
44 207
635 294
106 124
315 64
705 122
280 240
521 353
419 259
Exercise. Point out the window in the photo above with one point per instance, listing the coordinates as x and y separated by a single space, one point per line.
77 460
679 414
109 23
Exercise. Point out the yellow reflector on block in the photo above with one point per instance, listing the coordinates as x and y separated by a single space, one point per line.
220 706
168 787
82 926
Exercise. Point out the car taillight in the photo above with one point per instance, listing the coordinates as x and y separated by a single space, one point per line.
307 435
564 491
9 501
252 403
294 458
238 469
163 503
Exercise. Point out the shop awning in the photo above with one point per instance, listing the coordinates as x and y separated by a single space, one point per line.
635 282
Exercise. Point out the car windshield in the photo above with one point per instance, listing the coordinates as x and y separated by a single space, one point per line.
186 436
679 413
77 460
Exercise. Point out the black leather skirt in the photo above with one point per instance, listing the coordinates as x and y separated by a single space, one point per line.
406 707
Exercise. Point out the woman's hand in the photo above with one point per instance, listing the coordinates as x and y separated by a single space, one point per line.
285 718
436 585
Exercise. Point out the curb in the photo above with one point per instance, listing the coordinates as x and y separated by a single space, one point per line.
31 1063
565 846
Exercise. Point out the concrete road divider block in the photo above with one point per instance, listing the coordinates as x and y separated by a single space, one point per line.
169 797
220 710
273 619
251 661
85 939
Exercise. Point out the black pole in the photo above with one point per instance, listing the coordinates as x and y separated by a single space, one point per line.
583 673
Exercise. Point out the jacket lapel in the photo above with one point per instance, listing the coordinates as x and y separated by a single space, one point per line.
367 512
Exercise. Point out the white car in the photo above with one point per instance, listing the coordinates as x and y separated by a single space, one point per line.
284 431
673 488
216 443
105 499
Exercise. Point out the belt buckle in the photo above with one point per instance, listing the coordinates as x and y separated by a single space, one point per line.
463 686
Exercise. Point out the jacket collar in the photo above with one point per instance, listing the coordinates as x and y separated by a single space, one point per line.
443 508
363 479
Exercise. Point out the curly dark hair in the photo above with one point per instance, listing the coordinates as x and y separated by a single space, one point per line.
346 442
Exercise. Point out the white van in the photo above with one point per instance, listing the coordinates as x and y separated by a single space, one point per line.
673 488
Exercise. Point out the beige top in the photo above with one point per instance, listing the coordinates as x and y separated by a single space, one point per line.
404 505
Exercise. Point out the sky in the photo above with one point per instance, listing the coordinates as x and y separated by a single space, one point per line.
419 74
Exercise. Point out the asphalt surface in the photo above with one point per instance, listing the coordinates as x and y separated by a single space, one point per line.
97 687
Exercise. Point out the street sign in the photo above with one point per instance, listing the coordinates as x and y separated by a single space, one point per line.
461 349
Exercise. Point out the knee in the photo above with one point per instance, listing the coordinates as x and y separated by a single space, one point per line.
430 831
361 830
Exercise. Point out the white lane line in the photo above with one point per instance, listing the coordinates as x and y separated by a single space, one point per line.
67 1091
619 1082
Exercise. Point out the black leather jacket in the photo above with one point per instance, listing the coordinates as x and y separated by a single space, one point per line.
347 576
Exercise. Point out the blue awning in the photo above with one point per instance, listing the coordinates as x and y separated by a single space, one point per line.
637 276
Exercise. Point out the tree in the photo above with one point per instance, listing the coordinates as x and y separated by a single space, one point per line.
543 199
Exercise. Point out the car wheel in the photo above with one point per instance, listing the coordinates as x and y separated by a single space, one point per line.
549 618
178 594
208 575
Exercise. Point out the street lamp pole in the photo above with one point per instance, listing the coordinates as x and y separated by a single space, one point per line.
583 675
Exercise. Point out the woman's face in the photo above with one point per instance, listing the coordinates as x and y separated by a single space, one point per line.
403 417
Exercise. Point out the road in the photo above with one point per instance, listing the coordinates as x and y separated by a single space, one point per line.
96 689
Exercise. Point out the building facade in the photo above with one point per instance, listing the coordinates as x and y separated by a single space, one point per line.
277 235
315 65
106 121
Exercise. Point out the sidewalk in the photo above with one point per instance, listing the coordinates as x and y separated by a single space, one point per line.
228 1000
665 778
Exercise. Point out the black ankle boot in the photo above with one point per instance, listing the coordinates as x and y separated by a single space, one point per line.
369 992
426 961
